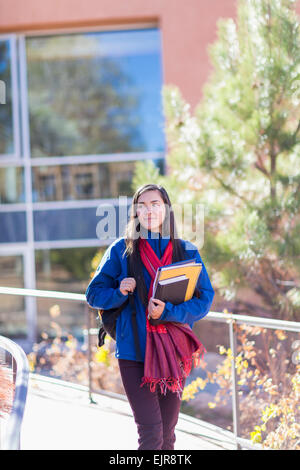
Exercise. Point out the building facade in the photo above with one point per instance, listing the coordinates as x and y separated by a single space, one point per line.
80 105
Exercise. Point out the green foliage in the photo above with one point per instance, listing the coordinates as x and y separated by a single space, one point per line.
268 386
145 171
239 155
77 263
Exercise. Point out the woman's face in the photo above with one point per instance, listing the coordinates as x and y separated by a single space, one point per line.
151 210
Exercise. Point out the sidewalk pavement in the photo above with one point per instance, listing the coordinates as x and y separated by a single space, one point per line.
59 416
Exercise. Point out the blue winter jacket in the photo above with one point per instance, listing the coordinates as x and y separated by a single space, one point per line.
103 292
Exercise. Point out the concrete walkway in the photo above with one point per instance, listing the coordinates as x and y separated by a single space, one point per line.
59 416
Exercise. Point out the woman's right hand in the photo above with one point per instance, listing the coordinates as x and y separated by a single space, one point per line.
127 284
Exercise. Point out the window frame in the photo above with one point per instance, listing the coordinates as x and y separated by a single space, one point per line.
23 158
11 158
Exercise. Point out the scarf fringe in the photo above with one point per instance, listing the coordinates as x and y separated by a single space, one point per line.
187 363
165 384
173 384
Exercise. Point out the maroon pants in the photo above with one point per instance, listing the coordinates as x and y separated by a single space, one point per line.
155 414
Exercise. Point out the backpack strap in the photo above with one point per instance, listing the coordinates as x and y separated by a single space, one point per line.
135 328
133 320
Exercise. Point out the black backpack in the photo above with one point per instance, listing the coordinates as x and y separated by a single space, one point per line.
109 317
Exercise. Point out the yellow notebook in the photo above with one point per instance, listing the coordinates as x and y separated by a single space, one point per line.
188 267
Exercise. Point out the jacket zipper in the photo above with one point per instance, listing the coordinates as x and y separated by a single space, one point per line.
159 245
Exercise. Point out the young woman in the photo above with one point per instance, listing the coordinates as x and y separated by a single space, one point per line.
154 385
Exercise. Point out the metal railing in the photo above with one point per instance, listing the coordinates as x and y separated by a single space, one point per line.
20 372
232 320
228 318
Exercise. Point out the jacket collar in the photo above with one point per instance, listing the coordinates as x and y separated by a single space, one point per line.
149 234
156 241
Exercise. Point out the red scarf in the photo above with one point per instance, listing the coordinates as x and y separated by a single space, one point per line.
171 348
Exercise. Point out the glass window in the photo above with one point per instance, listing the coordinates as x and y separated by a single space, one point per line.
12 227
6 108
95 93
91 181
11 185
70 267
71 224
66 270
12 307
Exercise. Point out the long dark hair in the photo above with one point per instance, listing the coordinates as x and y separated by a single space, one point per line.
131 235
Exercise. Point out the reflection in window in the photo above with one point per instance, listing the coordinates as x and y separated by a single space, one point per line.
13 227
47 182
11 185
69 266
83 185
12 307
6 119
95 93
65 270
74 223
92 181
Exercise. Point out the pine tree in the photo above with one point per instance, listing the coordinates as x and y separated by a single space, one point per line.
239 155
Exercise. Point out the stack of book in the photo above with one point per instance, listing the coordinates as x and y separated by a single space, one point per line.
176 282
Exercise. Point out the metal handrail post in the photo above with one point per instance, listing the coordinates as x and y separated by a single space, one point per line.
14 369
235 395
89 352
89 346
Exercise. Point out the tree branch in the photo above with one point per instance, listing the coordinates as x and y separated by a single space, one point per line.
262 169
231 190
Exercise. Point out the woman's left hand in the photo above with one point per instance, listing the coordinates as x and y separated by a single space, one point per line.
155 308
